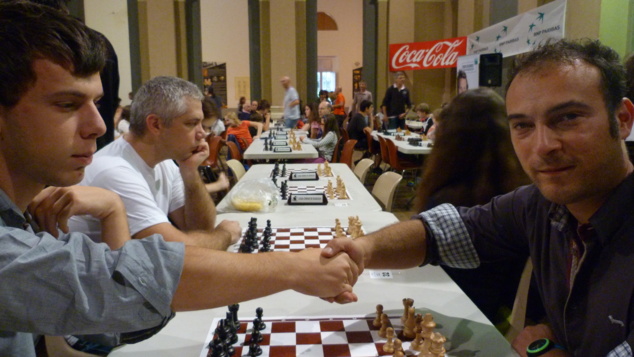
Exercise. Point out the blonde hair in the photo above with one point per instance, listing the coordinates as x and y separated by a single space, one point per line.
233 117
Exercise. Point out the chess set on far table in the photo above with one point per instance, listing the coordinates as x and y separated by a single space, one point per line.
411 334
270 238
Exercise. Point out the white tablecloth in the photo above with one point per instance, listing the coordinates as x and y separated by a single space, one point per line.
360 198
468 331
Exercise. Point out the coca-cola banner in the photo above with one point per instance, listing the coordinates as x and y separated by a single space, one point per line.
427 55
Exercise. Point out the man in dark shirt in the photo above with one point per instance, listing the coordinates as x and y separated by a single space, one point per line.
396 102
568 118
361 122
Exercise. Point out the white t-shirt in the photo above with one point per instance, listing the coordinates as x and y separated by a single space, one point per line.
149 194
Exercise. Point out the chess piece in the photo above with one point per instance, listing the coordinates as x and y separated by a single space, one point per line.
254 350
385 323
410 324
217 349
258 314
407 303
418 341
234 315
388 347
398 348
330 191
338 230
319 173
284 170
256 336
379 312
437 347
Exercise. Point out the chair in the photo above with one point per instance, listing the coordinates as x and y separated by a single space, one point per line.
344 134
362 168
236 168
385 155
370 140
215 144
399 163
335 154
346 153
518 315
234 152
385 187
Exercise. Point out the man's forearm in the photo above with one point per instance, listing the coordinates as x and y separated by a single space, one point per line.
401 245
199 209
114 228
206 274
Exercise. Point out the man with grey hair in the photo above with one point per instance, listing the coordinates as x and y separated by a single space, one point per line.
159 196
396 102
291 103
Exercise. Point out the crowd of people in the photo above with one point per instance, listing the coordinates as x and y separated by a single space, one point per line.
93 241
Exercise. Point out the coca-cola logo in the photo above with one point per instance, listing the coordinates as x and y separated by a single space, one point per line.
441 54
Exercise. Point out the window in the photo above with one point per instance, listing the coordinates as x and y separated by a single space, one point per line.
326 74
326 81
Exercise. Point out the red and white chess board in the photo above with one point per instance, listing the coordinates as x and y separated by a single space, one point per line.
314 189
315 337
295 239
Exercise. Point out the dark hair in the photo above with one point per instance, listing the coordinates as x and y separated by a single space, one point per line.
365 104
29 32
209 108
629 66
314 113
264 104
61 5
473 158
331 124
565 52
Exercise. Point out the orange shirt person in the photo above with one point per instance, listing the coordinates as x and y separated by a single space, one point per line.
241 129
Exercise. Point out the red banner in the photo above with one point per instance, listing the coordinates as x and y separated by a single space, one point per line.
427 55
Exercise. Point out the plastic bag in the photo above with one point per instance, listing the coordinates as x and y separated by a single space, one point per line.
254 195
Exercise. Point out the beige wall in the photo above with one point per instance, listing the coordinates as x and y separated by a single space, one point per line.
582 18
111 19
283 51
225 39
346 44
161 39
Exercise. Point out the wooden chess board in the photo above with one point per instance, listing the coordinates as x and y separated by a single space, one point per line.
295 239
314 189
353 336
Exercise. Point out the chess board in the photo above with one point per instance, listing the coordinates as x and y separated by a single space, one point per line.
288 172
353 336
315 189
295 239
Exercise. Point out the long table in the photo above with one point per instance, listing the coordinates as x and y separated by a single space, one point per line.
256 151
468 331
360 198
403 146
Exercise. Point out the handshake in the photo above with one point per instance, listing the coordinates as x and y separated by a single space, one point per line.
337 269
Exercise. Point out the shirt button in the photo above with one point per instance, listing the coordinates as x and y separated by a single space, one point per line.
142 281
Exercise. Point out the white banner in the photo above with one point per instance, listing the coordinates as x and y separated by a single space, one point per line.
521 33
468 74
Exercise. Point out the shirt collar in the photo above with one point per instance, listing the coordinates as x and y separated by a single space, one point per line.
613 215
10 214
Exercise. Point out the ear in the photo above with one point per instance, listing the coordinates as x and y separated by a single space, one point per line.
625 118
154 124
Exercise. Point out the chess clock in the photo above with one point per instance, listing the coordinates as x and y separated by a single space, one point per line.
541 346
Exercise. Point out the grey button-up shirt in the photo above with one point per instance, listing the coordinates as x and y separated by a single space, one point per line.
72 285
